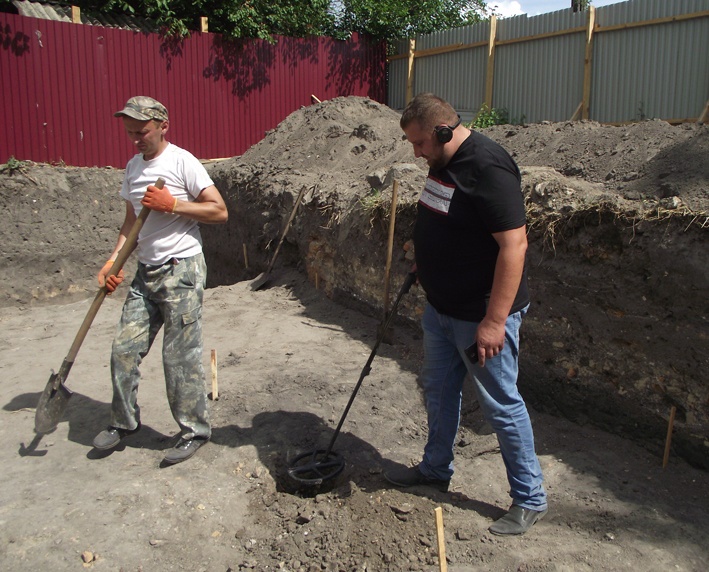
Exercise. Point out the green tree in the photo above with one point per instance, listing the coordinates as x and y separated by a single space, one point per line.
396 19
235 18
382 19
580 5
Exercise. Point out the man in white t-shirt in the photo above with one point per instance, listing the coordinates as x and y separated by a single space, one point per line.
168 287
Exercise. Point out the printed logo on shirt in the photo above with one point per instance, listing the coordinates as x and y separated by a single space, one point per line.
437 195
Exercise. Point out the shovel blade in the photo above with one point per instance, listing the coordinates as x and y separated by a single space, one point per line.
52 404
259 281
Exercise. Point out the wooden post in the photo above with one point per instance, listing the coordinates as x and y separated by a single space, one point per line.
390 244
587 68
204 24
668 440
442 563
246 257
490 73
705 114
577 113
410 73
75 15
215 384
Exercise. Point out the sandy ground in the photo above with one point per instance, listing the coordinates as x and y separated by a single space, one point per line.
287 361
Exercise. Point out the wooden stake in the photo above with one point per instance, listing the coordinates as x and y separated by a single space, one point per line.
246 258
442 563
317 280
668 441
215 384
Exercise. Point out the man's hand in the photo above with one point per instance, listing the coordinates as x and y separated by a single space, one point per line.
111 282
490 338
159 199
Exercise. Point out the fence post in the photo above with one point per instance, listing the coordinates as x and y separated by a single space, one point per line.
410 73
490 73
75 15
204 24
587 67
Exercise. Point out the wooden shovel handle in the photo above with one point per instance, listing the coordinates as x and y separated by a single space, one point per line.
285 230
126 250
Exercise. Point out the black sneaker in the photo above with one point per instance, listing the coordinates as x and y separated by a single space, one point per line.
184 450
111 436
412 476
517 521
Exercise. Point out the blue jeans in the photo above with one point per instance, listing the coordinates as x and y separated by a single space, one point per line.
443 373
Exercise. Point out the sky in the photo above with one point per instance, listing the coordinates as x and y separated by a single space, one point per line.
536 7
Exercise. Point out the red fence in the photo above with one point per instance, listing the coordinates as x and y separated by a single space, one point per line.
61 84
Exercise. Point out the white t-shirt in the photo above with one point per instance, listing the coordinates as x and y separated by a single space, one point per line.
166 235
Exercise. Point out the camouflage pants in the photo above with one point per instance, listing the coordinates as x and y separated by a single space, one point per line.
169 295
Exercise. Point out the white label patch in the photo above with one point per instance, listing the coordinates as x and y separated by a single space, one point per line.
437 195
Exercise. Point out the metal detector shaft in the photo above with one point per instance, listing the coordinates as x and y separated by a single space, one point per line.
406 286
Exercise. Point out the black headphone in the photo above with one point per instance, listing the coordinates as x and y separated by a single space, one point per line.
444 133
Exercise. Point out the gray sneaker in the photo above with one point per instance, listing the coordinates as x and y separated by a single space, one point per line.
111 436
517 521
184 450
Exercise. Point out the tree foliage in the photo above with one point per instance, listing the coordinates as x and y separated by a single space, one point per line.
382 19
396 19
235 18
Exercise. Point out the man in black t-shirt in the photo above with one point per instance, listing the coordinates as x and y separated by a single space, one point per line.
470 244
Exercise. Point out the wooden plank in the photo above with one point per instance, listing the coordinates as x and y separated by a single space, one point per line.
566 32
490 72
410 72
655 22
204 24
587 67
438 51
75 15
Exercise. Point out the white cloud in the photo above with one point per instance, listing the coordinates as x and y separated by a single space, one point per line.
506 8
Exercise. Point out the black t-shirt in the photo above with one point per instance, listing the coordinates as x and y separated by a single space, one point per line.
476 194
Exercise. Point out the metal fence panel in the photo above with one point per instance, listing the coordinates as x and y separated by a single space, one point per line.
654 71
647 61
61 84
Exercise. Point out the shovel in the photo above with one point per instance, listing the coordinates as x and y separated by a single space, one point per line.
55 396
262 278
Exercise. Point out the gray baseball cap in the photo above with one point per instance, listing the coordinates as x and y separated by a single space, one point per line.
143 108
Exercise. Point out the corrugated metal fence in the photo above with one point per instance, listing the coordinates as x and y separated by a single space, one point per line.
623 62
61 84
